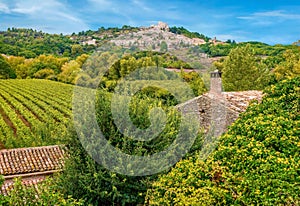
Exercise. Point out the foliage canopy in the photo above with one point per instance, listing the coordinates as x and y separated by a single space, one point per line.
256 162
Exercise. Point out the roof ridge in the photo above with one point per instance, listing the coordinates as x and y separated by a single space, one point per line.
30 148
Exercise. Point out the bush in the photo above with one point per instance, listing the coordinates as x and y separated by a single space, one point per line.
44 193
83 177
256 163
191 182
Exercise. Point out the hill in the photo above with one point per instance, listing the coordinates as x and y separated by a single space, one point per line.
197 49
33 112
30 43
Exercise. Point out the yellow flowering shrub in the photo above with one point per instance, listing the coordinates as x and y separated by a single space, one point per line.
256 162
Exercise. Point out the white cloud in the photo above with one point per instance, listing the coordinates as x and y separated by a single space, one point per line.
276 39
279 14
50 16
269 16
101 2
225 37
119 7
102 5
4 8
33 6
141 5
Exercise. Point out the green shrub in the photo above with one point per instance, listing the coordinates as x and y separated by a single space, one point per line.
256 163
83 177
44 193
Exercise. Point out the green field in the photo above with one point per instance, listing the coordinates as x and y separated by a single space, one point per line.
34 112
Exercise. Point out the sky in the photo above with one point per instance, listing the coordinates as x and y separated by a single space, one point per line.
272 22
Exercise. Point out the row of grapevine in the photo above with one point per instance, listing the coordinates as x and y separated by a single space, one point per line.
46 99
59 89
30 105
14 118
5 131
34 112
47 95
45 105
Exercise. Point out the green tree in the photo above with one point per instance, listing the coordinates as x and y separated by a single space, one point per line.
82 59
195 81
6 72
219 65
44 74
84 178
76 50
290 67
15 63
3 199
97 63
23 69
69 72
243 70
49 62
127 66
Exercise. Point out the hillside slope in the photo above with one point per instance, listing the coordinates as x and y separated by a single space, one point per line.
33 112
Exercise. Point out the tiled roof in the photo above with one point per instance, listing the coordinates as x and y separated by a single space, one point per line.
32 164
30 160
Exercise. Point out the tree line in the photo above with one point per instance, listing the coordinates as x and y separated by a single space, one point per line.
30 43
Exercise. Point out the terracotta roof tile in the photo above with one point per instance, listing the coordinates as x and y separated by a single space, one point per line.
29 160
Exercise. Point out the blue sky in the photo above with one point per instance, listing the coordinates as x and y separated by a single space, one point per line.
273 22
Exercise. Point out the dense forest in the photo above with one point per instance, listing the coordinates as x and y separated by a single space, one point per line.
256 162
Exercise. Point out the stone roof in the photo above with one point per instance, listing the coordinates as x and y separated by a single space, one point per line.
239 101
219 109
32 164
235 101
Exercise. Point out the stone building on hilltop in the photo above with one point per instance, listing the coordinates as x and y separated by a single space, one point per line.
161 26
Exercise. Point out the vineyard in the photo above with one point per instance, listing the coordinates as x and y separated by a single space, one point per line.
34 112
